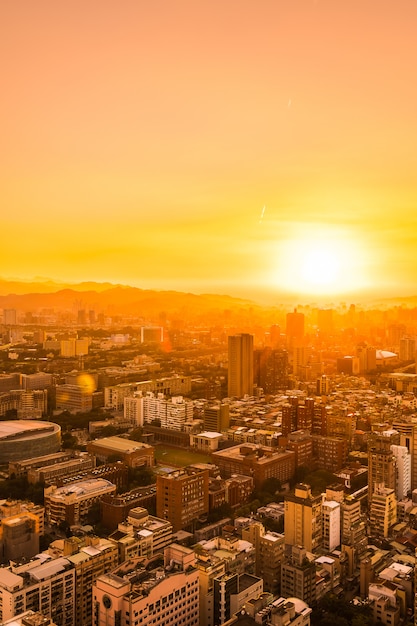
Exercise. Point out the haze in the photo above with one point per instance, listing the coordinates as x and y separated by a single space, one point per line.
214 146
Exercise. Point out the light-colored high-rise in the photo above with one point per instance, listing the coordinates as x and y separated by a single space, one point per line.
240 370
303 518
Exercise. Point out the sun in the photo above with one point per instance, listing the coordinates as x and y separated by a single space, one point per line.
321 261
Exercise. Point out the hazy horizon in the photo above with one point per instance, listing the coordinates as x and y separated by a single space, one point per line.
212 147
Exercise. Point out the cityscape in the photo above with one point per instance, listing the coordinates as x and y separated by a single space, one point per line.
208 313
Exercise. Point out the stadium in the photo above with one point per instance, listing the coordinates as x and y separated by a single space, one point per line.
24 439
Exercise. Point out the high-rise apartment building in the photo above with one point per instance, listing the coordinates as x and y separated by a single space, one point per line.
303 519
354 539
403 475
383 511
240 368
408 438
298 577
47 586
381 461
331 524
269 554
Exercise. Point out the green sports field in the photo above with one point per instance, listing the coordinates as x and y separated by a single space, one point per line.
178 457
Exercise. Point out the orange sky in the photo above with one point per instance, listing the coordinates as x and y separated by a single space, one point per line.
202 145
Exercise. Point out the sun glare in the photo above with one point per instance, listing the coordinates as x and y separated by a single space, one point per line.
322 261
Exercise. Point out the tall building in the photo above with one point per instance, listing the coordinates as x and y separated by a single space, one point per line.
354 538
182 496
331 524
383 511
408 438
381 461
44 586
403 475
298 578
270 369
303 519
240 368
294 328
216 417
269 554
9 317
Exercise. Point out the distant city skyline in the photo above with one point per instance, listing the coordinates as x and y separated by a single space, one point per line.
250 149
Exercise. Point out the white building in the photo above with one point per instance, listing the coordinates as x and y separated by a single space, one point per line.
171 413
331 524
42 584
403 476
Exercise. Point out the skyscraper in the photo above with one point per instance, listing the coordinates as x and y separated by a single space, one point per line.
295 328
240 372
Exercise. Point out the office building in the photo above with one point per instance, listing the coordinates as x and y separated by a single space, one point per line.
294 328
74 398
216 417
270 370
240 367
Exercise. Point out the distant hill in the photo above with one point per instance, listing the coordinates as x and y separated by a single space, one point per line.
45 285
116 299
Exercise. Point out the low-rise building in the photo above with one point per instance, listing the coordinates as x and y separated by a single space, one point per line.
133 453
72 503
260 462
158 592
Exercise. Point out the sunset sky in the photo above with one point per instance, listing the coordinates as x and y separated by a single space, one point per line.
229 146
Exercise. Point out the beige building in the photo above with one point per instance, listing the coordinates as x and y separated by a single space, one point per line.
141 535
47 586
383 511
72 503
303 519
167 593
90 558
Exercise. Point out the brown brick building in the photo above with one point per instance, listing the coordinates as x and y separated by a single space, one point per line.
182 496
260 462
133 453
